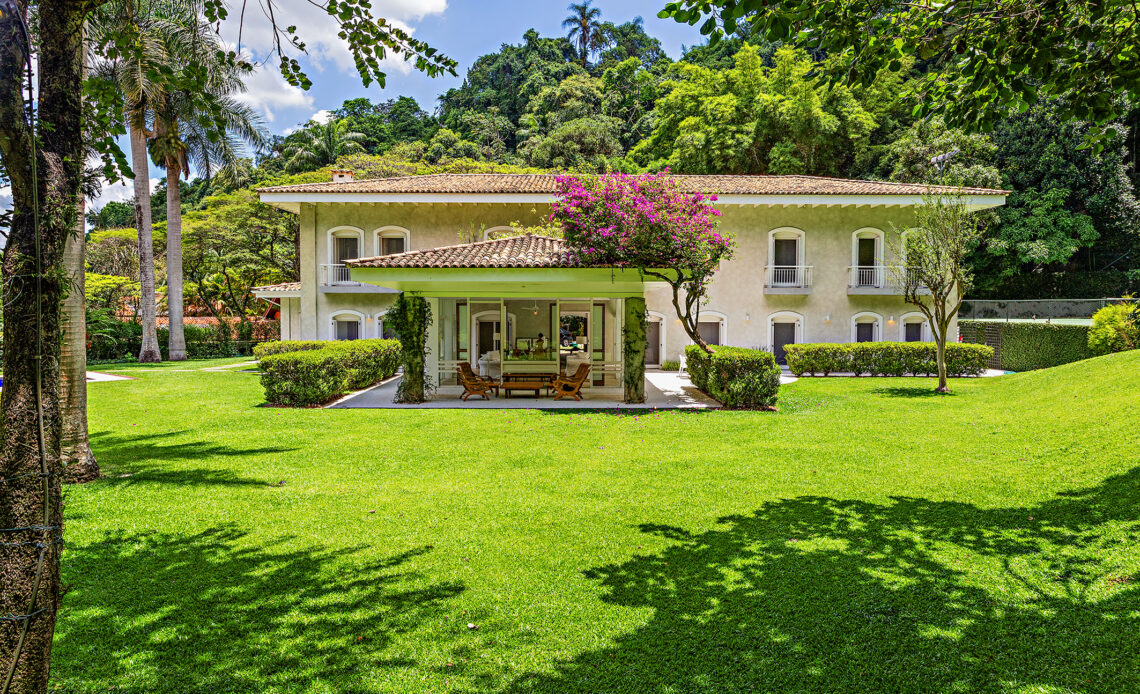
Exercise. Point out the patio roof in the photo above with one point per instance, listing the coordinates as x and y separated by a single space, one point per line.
528 250
526 265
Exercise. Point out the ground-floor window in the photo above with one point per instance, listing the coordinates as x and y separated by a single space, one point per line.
784 328
711 328
347 325
915 328
866 327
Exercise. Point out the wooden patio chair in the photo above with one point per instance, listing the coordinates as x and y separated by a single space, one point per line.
473 384
571 387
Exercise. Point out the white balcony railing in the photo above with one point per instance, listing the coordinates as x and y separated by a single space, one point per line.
868 276
793 276
333 274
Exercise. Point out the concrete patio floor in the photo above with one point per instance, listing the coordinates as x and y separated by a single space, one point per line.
664 390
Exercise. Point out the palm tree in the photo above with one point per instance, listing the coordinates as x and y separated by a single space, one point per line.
322 145
139 77
585 29
181 138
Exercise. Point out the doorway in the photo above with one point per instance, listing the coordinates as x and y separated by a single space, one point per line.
782 334
653 343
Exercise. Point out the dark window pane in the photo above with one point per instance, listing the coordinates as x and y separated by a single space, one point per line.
392 245
866 252
785 252
709 332
347 330
865 332
346 248
914 332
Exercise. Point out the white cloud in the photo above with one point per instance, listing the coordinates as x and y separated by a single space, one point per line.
122 191
323 116
319 31
267 91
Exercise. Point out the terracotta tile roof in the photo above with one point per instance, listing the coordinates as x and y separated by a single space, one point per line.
545 184
514 251
283 287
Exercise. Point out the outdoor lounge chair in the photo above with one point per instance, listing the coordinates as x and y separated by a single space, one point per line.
571 387
472 383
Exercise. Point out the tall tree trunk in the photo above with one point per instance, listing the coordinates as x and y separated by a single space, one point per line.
78 461
140 163
45 192
176 347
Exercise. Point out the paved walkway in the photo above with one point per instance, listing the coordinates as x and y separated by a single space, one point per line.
663 391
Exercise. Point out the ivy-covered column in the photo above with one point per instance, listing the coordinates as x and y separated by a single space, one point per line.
409 318
633 349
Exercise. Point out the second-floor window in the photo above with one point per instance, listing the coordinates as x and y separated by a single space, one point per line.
391 240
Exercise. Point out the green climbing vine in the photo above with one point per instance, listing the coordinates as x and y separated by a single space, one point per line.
409 318
634 343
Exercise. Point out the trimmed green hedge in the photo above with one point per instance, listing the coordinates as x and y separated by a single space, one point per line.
315 372
739 378
886 358
1028 346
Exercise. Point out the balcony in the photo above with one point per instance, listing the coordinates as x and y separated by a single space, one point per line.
335 277
874 279
787 279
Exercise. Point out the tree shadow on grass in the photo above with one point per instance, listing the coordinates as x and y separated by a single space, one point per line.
911 392
207 612
819 594
143 458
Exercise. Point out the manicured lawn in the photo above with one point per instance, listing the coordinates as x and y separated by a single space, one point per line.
868 537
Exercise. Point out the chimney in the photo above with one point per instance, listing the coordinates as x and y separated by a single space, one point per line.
342 175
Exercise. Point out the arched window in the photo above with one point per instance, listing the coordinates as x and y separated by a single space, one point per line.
713 327
391 240
347 325
382 331
498 232
913 327
866 327
784 328
786 258
345 243
867 258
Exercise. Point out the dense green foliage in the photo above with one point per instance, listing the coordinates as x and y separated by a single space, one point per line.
886 358
409 319
1025 346
313 373
739 378
1115 328
112 340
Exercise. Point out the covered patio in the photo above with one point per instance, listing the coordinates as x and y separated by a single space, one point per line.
518 322
664 390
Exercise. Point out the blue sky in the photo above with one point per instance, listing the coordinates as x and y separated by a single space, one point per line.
462 29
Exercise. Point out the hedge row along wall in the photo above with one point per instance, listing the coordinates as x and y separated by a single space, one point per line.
885 359
315 372
1028 346
739 378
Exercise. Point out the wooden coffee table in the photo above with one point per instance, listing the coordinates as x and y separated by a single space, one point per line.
526 381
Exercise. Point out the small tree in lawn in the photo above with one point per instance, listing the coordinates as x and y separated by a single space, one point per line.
935 276
646 222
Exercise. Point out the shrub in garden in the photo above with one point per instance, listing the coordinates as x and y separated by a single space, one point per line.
886 358
739 378
1115 328
312 372
1027 346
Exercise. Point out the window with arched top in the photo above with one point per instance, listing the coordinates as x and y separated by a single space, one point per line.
867 269
787 253
498 233
655 338
866 326
913 327
712 326
784 328
390 240
347 325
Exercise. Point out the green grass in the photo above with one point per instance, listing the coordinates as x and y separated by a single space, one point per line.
868 537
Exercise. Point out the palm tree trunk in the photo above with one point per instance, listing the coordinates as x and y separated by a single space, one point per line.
147 308
78 460
176 347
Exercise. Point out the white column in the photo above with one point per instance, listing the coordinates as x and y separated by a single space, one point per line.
431 364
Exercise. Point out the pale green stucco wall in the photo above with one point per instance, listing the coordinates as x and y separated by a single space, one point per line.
738 292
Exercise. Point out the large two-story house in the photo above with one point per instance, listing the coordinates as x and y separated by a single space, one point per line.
813 264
